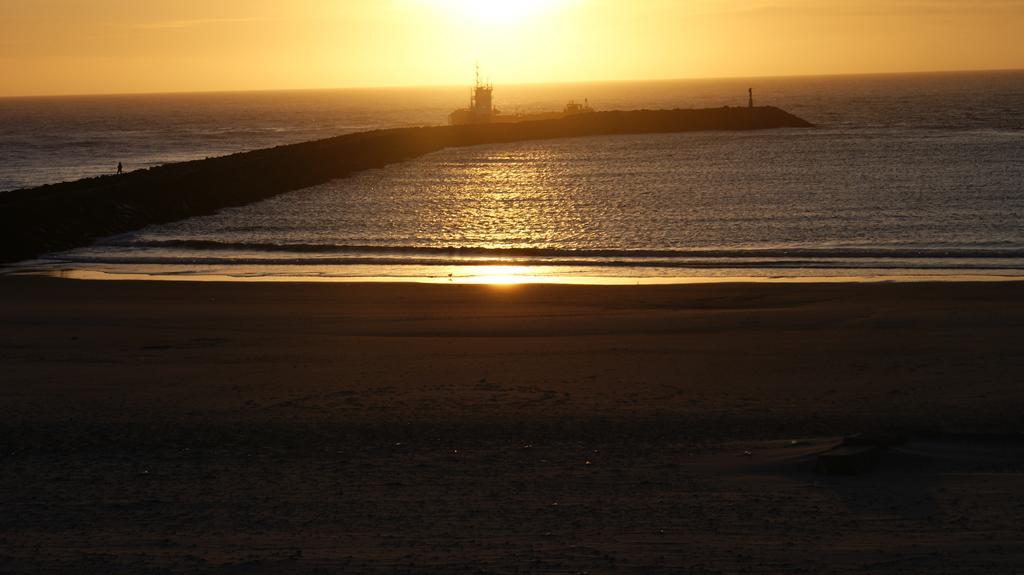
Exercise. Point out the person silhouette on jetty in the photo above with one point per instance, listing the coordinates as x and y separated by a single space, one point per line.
750 94
120 168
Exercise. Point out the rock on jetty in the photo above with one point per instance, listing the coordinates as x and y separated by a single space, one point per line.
71 214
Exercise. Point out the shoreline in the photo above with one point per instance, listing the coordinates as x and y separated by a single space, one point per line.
514 275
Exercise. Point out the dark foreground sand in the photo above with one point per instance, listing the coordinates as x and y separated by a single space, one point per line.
262 428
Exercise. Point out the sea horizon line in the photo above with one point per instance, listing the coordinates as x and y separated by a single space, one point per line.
397 87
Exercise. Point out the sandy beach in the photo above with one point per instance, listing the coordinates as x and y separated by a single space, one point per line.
168 427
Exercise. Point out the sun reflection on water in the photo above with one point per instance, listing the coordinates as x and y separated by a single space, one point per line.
497 275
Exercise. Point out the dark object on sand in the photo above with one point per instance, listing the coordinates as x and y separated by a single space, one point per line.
71 214
855 455
848 459
120 168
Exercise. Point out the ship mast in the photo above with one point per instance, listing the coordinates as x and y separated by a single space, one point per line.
481 103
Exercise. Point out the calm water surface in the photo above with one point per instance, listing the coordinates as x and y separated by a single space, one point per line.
917 174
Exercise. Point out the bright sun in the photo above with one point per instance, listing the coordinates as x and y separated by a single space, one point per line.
492 12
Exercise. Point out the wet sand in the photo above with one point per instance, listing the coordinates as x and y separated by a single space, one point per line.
256 428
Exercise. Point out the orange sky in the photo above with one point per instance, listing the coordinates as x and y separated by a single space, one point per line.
115 46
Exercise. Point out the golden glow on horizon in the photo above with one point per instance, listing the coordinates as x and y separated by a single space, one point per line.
110 46
493 12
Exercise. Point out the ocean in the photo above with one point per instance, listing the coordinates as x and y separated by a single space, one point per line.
916 175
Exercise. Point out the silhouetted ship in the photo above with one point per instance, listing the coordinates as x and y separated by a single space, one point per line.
481 109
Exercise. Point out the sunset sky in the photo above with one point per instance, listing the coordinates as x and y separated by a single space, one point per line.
116 46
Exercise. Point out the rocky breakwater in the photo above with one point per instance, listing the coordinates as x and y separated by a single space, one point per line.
62 216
